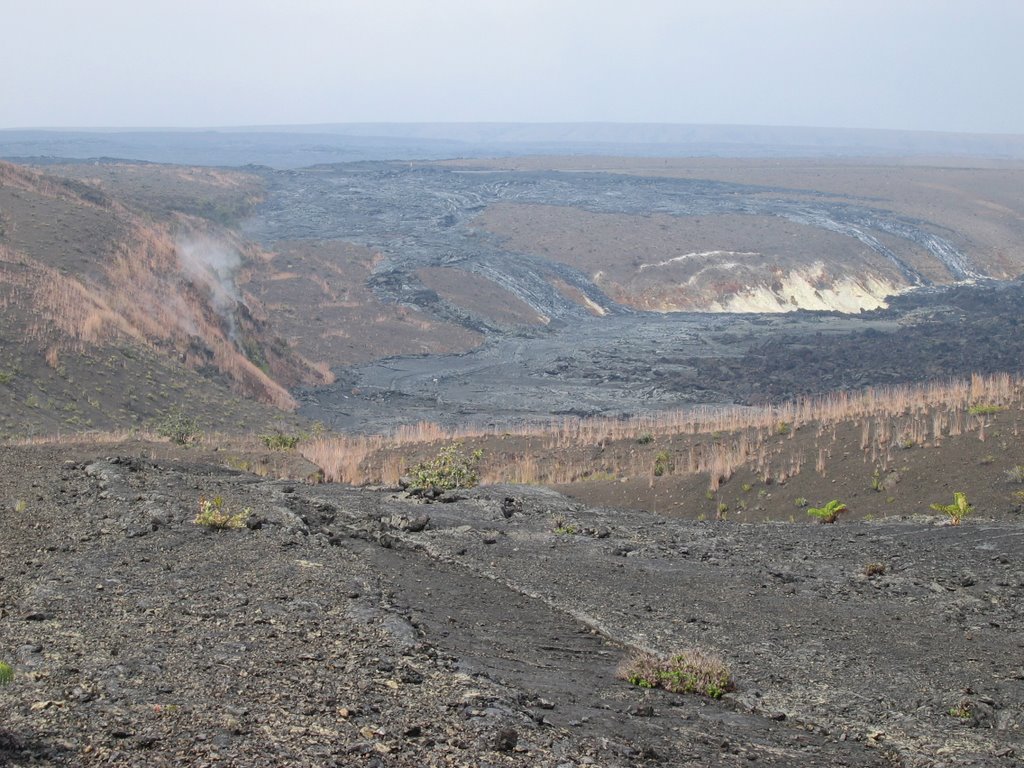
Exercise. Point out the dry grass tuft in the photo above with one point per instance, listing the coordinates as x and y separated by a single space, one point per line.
690 671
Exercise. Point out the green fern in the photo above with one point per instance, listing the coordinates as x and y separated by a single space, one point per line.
829 513
958 510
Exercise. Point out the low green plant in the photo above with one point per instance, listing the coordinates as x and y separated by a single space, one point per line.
214 515
451 468
178 427
801 502
6 673
783 428
278 441
746 487
1015 474
962 711
876 480
662 463
828 513
20 506
563 527
6 377
645 439
984 409
958 510
691 671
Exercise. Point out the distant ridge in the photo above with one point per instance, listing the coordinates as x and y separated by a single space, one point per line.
298 146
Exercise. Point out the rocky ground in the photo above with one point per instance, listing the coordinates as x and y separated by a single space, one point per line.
364 627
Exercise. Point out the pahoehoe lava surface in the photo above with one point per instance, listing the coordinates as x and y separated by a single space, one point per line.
642 363
626 361
362 627
417 216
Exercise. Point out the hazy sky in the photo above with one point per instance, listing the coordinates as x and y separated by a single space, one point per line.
948 65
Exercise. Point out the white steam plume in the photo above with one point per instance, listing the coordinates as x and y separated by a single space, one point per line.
212 264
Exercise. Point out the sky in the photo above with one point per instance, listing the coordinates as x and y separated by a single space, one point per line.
940 65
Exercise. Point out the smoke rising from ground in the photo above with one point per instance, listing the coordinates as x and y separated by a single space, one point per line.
212 264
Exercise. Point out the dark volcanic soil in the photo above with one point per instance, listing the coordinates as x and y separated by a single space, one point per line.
331 632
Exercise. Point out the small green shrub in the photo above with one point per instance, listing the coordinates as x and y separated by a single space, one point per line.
20 506
645 439
691 671
6 673
6 377
876 481
830 512
783 428
801 502
563 527
214 515
1015 474
278 441
962 711
747 487
451 468
662 463
984 409
958 510
178 427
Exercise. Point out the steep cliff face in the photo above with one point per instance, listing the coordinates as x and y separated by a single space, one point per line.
81 271
730 286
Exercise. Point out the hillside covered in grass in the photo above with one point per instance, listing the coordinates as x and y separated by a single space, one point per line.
113 312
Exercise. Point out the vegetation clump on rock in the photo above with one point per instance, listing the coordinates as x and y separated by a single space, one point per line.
828 513
6 673
452 468
958 510
690 671
213 514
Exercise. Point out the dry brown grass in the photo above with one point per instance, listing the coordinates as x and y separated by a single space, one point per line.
139 291
720 440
